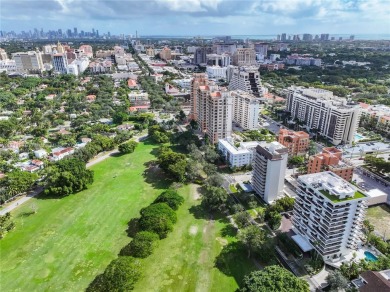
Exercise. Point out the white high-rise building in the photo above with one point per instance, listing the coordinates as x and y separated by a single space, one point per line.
60 63
28 61
328 213
216 72
246 110
334 117
269 170
245 78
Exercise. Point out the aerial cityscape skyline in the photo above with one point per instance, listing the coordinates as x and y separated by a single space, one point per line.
193 17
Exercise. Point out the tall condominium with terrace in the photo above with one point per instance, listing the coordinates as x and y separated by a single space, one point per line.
237 155
333 117
330 159
328 213
246 110
297 143
244 78
269 170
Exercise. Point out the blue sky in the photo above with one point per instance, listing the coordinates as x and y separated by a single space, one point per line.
200 17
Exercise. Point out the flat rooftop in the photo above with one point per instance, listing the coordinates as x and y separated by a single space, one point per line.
331 186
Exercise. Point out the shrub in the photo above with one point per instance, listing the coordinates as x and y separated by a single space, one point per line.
158 218
171 198
141 246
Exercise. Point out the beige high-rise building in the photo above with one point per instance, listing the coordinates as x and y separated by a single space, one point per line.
166 54
60 48
28 61
244 57
3 55
199 79
150 52
212 108
246 110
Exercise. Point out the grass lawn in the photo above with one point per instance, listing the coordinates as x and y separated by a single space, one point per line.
379 216
186 259
70 240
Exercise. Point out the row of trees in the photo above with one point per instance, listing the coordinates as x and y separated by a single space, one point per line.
379 164
6 224
155 223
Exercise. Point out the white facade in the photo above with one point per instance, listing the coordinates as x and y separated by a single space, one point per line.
269 170
28 61
7 66
329 213
246 110
137 97
239 156
334 117
216 72
60 63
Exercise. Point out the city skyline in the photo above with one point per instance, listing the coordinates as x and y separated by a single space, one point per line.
200 17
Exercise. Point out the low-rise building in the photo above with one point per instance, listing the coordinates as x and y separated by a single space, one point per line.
297 143
237 154
330 159
138 97
59 153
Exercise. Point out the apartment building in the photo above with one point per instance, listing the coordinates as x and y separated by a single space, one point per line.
378 115
330 159
166 54
244 57
297 143
333 117
216 72
214 112
199 79
269 170
3 55
60 63
200 56
237 154
245 110
245 78
328 213
28 61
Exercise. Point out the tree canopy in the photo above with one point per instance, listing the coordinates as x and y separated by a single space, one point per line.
142 245
120 275
68 176
128 147
171 198
273 279
158 218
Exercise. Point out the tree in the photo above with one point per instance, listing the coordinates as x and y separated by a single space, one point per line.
253 237
274 220
296 160
171 198
142 245
214 198
128 147
19 181
158 218
174 164
214 180
6 224
242 219
337 281
273 279
120 275
68 176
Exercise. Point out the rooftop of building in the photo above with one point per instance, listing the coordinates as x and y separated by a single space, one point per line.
287 132
242 148
331 186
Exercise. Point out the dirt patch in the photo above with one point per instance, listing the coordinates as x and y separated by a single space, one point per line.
222 241
193 230
195 192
